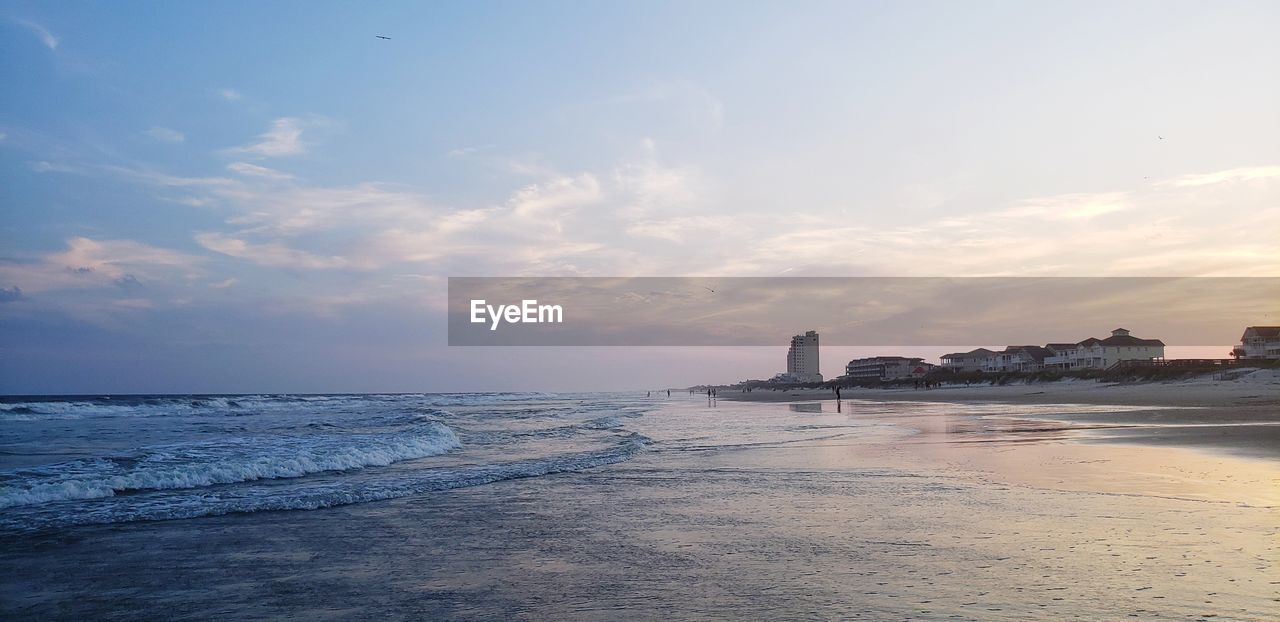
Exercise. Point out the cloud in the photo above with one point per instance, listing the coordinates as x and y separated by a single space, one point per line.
553 197
118 259
604 221
230 95
164 134
134 303
273 254
291 209
172 181
1248 173
650 189
10 294
90 263
528 165
284 138
1079 206
52 167
43 33
253 170
681 229
224 284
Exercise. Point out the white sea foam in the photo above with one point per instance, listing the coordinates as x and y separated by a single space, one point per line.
200 455
222 462
153 406
247 498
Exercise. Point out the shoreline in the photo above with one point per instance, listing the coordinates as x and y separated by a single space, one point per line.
1238 417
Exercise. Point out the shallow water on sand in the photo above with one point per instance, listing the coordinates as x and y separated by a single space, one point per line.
731 510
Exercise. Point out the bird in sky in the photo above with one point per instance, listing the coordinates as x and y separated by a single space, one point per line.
382 37
708 289
1160 137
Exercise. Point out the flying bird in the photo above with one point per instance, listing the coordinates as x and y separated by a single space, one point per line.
708 289
1160 137
382 37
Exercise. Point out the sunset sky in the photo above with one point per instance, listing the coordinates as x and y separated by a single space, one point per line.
235 196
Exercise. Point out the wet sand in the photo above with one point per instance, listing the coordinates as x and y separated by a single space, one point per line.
1241 416
737 510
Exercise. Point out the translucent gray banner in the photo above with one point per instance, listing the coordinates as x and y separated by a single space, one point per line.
853 311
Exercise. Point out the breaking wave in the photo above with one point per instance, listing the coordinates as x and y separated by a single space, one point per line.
345 491
81 460
220 462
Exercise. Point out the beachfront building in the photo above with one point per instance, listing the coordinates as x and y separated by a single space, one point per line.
802 359
886 368
1258 342
1017 358
1094 353
973 360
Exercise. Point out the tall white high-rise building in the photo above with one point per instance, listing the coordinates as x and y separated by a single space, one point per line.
802 358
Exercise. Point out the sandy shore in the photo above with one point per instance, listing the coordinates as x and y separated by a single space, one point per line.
1241 415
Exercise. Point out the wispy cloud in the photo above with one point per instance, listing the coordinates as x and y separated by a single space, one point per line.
1248 173
42 166
166 135
1066 207
273 254
282 139
134 303
10 294
162 179
90 263
230 95
46 37
253 170
553 197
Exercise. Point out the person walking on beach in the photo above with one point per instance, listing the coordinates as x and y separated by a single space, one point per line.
837 393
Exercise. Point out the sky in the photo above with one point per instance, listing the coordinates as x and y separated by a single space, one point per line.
249 197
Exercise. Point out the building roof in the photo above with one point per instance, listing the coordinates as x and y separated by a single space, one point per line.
1129 340
881 359
983 352
1037 353
1263 331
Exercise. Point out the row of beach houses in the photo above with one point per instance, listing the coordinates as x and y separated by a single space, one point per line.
1091 353
1257 343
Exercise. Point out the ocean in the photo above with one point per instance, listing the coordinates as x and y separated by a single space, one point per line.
535 506
113 459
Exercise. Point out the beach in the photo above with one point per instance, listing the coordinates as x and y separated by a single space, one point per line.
879 507
1237 411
